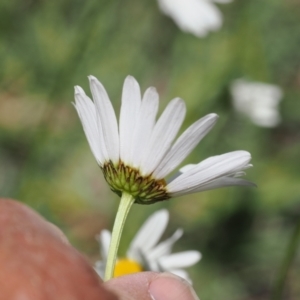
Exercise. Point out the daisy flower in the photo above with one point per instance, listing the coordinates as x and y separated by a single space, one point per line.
146 254
194 16
137 154
259 101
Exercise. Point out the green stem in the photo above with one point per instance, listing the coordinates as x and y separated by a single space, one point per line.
288 259
123 210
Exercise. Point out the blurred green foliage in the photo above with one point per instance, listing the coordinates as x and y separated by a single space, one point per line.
47 47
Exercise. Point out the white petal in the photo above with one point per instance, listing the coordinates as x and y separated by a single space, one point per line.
87 114
209 170
131 101
185 144
107 118
104 239
100 268
225 181
145 124
152 265
239 173
182 170
194 16
211 16
180 260
164 248
149 234
186 168
163 135
266 117
190 166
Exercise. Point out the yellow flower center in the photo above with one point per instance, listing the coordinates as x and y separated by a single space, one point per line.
127 266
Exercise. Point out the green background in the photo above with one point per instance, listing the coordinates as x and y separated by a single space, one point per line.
47 47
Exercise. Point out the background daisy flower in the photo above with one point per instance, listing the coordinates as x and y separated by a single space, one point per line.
146 254
194 16
258 100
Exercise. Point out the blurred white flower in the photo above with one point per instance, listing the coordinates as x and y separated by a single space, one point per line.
194 16
257 100
137 154
146 254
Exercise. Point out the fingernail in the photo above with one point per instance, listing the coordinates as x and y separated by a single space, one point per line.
167 286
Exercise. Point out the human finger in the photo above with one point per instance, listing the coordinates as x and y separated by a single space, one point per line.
38 264
151 286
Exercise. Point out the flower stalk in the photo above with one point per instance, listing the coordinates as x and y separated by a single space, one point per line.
125 204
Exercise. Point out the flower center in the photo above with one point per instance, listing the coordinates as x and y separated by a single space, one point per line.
145 189
126 266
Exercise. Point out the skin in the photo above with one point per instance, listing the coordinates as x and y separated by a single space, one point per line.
38 263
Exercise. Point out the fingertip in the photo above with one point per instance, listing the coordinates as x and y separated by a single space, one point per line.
168 286
151 286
